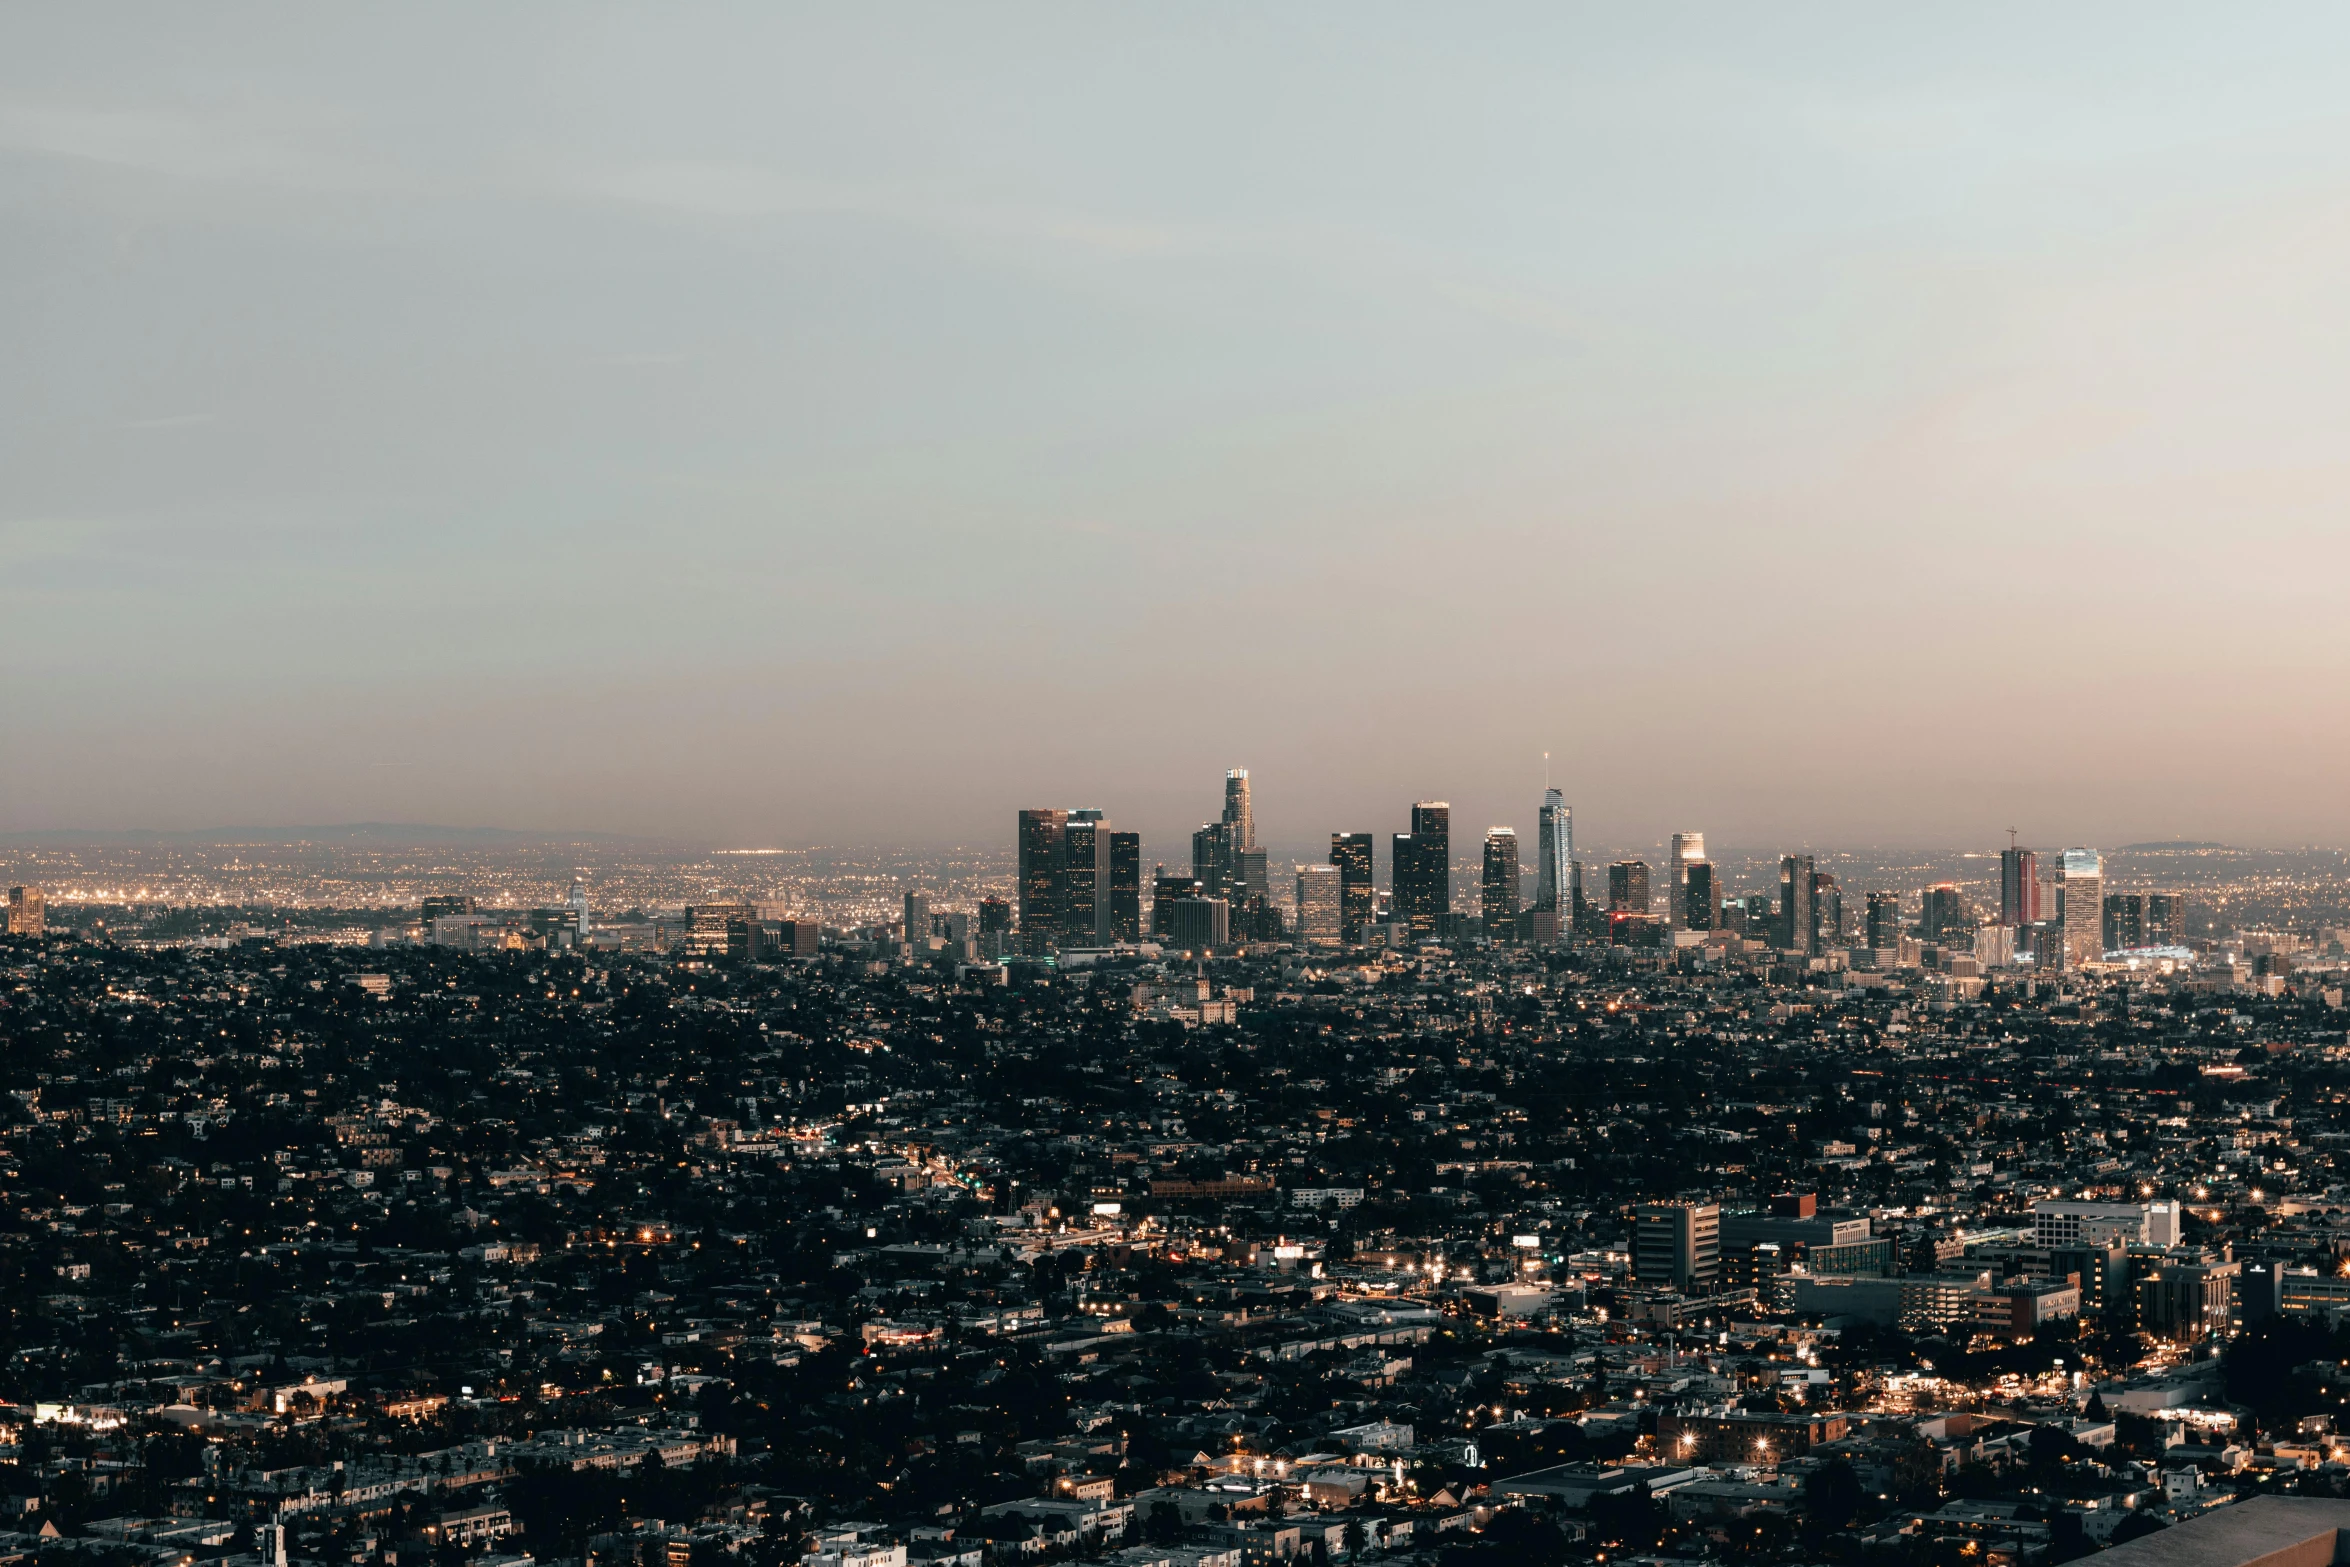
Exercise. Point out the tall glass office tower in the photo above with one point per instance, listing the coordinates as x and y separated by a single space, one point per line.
2080 905
1554 849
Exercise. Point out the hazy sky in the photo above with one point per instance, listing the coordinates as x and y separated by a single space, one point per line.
1829 424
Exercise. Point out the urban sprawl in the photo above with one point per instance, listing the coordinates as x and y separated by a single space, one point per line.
1048 1211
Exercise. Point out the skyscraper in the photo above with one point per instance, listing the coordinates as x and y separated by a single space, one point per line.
2125 921
1126 886
1084 905
1701 900
1169 888
2019 887
1554 850
1321 905
1501 883
1827 912
1211 857
1685 848
1627 887
1884 921
1250 880
2080 905
2166 919
1946 916
1043 843
1799 922
1237 814
1351 852
28 911
917 918
1423 867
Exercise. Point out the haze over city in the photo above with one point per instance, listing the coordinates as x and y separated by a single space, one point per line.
1821 425
1052 785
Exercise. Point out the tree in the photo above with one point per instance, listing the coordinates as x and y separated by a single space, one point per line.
2136 1527
1832 1497
1526 1538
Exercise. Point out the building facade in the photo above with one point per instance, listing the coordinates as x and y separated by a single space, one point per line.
2080 905
1423 868
1500 884
1321 905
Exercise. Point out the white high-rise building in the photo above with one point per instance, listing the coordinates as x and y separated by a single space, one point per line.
2080 905
1321 906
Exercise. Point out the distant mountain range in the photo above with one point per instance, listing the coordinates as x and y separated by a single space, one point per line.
390 833
2157 848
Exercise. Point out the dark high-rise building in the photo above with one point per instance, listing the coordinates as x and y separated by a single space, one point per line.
1685 848
995 917
2125 921
2166 919
1884 921
1043 849
1084 917
1702 901
1500 905
2019 887
917 919
1211 857
443 904
1167 889
1627 887
1946 916
1423 867
1827 906
1581 916
1250 879
1199 924
1126 886
1351 852
1799 923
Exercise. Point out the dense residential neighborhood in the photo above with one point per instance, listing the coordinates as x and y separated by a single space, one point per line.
1445 1252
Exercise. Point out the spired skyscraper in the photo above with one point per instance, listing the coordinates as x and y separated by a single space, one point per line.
1225 856
1554 858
